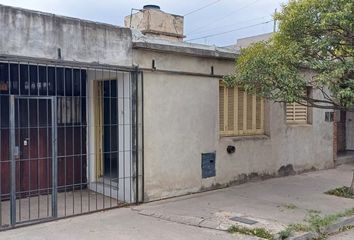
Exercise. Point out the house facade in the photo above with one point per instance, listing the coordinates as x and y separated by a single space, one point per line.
95 116
343 124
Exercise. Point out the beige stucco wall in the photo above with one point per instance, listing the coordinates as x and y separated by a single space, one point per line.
35 34
181 122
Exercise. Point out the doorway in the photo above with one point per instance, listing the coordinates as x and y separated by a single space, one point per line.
345 137
114 137
110 129
349 131
106 115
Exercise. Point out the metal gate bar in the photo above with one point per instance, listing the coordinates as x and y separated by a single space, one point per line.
12 159
54 159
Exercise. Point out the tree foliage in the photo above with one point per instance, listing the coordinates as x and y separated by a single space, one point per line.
316 37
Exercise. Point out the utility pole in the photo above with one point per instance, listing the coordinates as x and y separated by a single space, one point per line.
275 21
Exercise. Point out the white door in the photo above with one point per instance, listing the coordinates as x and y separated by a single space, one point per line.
350 130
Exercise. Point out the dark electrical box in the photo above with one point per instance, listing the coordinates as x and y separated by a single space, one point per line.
208 165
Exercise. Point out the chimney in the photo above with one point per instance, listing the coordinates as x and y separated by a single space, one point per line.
153 22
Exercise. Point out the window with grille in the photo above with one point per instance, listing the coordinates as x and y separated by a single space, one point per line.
240 113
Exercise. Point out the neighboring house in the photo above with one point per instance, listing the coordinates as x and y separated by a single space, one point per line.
245 42
95 116
344 136
343 142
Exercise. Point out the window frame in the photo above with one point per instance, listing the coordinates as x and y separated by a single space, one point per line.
255 118
297 117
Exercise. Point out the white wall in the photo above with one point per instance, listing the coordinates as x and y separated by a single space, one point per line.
181 122
178 127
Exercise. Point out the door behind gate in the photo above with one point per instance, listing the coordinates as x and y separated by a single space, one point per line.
350 131
33 159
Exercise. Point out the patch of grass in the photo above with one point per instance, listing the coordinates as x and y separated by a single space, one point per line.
298 227
346 228
290 206
348 213
317 223
287 206
285 234
341 192
258 232
313 211
314 222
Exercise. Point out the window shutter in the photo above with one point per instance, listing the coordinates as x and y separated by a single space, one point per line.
259 103
296 113
230 109
240 105
249 111
239 113
221 108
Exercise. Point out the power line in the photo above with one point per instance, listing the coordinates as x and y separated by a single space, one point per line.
229 25
230 31
223 17
201 8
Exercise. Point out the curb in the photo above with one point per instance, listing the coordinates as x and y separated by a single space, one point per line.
331 229
187 220
218 225
306 236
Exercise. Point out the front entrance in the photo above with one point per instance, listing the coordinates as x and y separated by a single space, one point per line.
345 137
350 131
110 129
51 144
345 131
106 122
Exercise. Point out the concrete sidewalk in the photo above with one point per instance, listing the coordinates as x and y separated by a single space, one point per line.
273 203
119 224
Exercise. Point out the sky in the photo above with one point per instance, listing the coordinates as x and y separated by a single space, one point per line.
235 18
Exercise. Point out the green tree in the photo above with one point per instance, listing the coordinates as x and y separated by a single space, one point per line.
316 36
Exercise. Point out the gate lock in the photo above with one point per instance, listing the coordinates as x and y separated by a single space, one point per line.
17 152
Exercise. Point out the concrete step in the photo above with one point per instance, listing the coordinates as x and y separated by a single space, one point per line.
344 159
107 188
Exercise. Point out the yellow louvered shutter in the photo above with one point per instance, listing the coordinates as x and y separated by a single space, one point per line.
221 108
249 111
230 109
259 118
296 113
239 113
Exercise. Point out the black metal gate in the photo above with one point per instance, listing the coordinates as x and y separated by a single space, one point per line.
70 140
32 152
